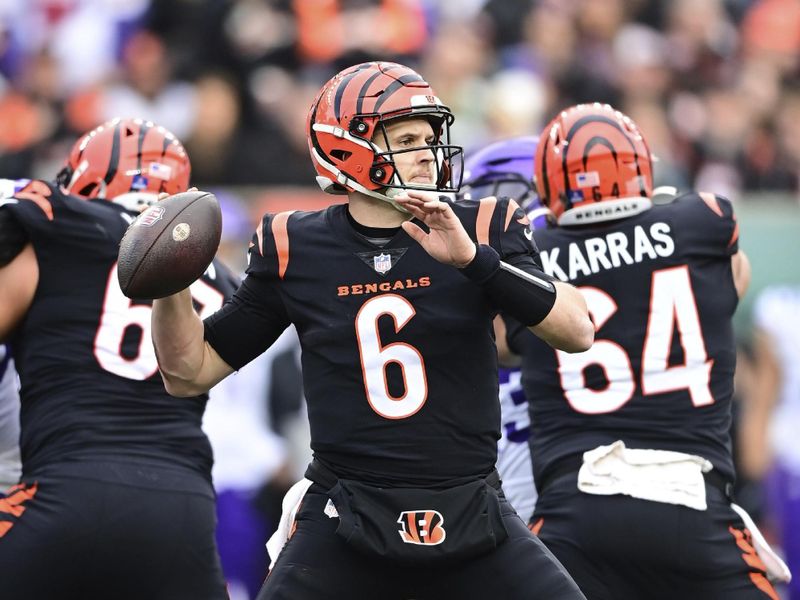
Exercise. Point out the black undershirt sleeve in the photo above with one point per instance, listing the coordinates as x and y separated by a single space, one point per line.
247 324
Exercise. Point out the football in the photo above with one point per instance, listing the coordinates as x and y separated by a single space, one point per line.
169 245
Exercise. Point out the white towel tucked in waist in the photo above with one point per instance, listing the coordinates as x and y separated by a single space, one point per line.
291 502
776 568
657 475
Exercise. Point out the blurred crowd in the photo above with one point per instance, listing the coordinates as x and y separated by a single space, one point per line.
712 83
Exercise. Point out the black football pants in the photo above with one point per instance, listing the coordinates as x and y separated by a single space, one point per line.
622 548
67 538
316 564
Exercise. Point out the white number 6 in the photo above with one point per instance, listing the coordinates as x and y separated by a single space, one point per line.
376 357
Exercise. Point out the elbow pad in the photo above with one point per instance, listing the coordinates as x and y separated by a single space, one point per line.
528 297
12 237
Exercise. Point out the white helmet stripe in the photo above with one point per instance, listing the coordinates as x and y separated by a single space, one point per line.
342 179
341 133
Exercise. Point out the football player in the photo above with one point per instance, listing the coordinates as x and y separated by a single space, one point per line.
505 168
115 498
631 439
393 295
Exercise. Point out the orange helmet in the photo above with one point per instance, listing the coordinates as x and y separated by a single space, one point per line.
352 107
592 164
126 161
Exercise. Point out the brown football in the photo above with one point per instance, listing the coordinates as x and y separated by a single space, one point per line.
169 245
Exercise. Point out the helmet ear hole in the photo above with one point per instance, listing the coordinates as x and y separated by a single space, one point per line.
87 190
340 155
64 176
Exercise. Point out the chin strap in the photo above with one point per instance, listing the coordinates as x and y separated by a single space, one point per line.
329 186
390 193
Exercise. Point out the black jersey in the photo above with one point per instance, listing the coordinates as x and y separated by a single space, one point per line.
90 383
660 291
398 355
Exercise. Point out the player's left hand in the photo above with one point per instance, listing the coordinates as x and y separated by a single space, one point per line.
447 240
164 195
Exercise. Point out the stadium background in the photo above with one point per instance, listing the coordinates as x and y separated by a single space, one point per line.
713 84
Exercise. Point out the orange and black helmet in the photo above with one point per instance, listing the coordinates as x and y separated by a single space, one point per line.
592 164
352 107
126 156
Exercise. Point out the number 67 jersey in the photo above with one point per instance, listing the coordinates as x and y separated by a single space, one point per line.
90 382
660 290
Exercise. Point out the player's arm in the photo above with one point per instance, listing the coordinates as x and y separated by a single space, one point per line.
554 311
19 273
567 326
741 272
195 355
189 365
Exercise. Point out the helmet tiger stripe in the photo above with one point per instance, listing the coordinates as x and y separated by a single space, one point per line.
123 156
590 154
355 105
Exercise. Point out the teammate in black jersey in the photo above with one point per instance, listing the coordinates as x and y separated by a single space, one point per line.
631 440
395 317
115 499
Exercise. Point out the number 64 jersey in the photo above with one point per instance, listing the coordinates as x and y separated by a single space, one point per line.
660 290
398 354
90 382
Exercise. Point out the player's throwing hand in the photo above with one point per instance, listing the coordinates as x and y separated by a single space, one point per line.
447 240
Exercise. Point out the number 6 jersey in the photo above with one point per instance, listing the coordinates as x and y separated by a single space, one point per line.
659 288
398 354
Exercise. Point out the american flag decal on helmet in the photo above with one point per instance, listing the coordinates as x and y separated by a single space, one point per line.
159 171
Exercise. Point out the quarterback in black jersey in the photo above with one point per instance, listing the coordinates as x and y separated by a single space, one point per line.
393 295
115 498
631 439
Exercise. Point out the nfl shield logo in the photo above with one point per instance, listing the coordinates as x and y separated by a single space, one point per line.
382 263
139 182
575 196
151 216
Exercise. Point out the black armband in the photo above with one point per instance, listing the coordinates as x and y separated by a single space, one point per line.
527 296
12 237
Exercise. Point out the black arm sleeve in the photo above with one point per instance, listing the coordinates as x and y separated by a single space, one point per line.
13 237
247 324
528 295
